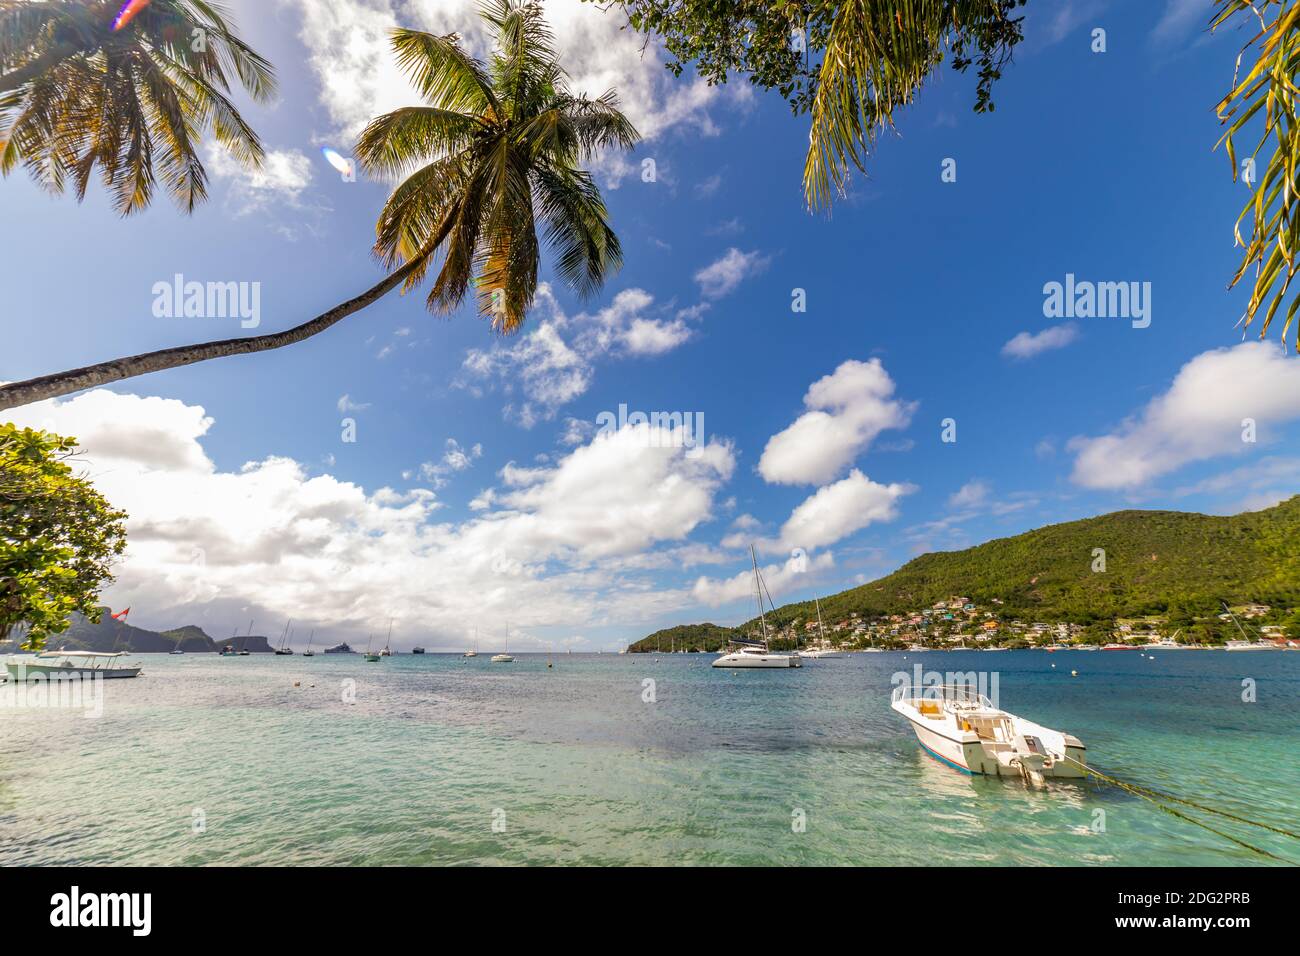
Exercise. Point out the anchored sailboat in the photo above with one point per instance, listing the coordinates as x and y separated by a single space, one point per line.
309 652
284 650
504 658
823 648
754 653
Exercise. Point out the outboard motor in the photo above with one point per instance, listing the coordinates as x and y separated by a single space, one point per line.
1032 757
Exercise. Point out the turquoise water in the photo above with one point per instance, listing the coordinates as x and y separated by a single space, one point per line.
573 766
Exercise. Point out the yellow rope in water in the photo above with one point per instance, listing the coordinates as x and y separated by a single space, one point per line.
1146 793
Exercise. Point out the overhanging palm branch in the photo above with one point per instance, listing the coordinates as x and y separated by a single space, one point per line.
493 157
76 95
1262 105
877 57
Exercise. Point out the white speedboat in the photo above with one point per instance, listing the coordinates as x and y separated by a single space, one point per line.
819 653
964 730
63 665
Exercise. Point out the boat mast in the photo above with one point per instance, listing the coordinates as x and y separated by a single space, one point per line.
309 637
758 593
388 640
821 628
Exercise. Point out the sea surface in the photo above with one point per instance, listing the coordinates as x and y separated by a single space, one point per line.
435 759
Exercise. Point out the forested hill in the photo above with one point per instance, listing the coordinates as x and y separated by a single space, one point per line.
1156 562
1171 563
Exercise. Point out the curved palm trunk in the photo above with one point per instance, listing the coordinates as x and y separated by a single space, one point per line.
62 383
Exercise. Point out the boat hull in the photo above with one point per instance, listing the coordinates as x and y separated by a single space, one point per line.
965 751
31 672
756 661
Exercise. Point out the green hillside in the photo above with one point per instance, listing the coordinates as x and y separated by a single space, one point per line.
1174 564
697 637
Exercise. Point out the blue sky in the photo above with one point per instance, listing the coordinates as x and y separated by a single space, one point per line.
478 489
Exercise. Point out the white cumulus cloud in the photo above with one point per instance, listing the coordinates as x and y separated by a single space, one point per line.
846 411
270 541
1201 416
1027 345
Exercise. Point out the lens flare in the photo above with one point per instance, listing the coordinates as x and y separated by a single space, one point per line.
128 12
341 163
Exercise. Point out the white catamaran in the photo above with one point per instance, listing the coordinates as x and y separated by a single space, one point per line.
964 730
755 653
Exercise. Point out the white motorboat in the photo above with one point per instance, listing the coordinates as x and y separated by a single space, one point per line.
65 664
964 730
756 653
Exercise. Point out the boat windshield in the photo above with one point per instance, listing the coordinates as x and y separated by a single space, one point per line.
952 696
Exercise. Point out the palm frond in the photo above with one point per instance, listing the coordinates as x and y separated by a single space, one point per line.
1267 97
447 76
397 141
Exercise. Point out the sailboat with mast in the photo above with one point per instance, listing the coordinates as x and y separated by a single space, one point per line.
386 651
370 657
284 650
473 651
823 648
504 658
750 653
309 652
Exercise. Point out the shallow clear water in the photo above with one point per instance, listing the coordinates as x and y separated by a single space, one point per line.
576 767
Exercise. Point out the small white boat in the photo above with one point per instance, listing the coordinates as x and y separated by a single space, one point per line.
964 730
1250 646
63 665
503 658
823 647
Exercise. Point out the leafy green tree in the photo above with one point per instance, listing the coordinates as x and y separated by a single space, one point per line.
59 537
1292 625
493 159
79 89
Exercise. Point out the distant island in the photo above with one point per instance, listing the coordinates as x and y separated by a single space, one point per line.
1125 576
110 635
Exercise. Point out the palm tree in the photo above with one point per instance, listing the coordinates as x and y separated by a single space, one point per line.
81 88
494 155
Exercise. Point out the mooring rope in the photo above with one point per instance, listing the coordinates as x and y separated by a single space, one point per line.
1155 796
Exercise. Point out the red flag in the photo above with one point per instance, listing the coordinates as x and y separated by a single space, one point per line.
120 614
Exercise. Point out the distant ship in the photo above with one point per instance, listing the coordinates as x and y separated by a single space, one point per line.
339 649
